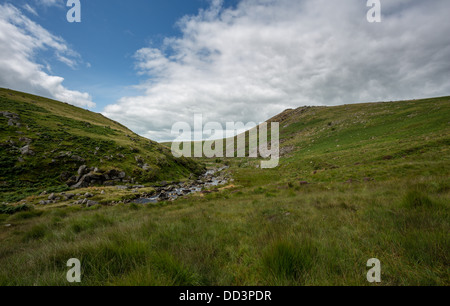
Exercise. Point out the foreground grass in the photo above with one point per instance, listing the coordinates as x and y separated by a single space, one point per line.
275 234
355 182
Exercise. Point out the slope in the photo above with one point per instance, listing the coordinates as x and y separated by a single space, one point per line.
43 144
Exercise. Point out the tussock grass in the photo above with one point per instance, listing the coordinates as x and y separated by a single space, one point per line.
286 260
268 228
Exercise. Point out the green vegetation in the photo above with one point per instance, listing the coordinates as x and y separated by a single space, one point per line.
355 182
10 210
61 138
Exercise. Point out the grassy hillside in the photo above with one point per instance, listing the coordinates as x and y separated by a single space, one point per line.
44 142
378 141
355 182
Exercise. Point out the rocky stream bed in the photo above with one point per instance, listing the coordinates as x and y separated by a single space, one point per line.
171 192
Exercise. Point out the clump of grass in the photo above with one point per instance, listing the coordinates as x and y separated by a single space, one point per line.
259 190
25 215
288 260
10 209
270 195
3 217
35 233
134 206
417 199
90 223
178 273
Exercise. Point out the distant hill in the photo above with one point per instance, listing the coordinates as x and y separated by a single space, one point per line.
367 141
45 144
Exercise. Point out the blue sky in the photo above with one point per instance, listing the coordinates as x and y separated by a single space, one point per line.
151 63
107 38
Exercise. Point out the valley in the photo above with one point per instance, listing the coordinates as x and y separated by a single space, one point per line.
354 182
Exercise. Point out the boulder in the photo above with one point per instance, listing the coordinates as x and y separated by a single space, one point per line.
26 150
25 139
90 203
82 182
70 195
64 154
78 158
82 170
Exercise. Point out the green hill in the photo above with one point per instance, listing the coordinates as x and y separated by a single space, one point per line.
43 144
354 182
369 141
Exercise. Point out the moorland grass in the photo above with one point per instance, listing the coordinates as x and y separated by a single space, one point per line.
362 181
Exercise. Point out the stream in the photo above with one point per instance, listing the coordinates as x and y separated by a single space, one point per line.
211 178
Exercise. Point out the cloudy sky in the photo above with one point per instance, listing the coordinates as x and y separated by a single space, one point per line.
149 64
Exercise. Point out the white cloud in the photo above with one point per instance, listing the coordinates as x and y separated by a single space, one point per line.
30 10
59 3
251 62
20 40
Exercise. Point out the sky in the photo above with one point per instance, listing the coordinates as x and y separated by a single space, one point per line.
149 64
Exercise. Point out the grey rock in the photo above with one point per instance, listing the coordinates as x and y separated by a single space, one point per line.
64 154
9 115
88 195
25 139
26 150
81 183
91 203
70 195
81 170
78 158
52 197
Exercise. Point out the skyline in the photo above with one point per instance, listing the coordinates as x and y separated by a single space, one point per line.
149 65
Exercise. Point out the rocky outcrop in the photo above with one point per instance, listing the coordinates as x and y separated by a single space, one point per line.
94 176
13 119
26 150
